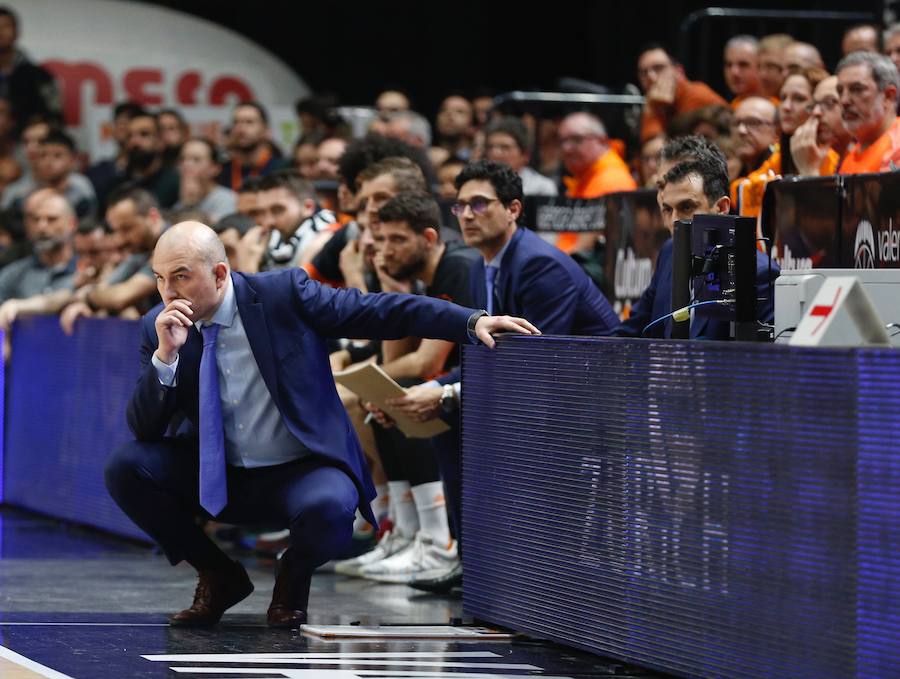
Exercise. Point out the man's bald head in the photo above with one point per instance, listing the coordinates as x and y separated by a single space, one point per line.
861 38
190 264
585 123
40 195
801 55
195 238
582 140
753 130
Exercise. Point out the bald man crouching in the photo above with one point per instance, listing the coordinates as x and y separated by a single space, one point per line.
243 358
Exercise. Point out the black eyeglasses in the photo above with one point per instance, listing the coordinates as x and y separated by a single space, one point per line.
750 123
827 104
479 206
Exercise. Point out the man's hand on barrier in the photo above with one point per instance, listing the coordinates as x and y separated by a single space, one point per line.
8 312
172 325
805 149
421 403
486 326
71 314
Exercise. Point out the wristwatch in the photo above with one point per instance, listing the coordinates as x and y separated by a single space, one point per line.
448 399
473 321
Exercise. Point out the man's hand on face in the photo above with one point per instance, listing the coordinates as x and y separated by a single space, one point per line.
662 92
388 282
251 249
805 149
486 326
172 326
352 264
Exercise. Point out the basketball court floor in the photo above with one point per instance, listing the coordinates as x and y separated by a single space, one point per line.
79 604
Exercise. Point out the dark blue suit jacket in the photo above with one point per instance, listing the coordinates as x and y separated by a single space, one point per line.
542 284
656 301
287 317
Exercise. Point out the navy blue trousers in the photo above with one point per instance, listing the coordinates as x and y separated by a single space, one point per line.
156 485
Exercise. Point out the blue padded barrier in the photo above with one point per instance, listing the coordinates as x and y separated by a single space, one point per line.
707 509
2 414
66 412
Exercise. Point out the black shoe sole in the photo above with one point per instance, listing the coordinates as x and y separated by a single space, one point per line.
437 586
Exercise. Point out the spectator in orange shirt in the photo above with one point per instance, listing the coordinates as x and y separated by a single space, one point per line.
771 62
754 131
741 64
667 91
788 157
594 169
861 38
867 86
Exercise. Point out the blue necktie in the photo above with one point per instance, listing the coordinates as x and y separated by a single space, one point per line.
213 490
490 273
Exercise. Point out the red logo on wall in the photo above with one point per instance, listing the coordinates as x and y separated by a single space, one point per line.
145 85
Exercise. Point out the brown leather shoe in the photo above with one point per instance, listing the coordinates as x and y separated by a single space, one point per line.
216 593
290 596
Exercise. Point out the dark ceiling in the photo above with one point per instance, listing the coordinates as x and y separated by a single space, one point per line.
430 48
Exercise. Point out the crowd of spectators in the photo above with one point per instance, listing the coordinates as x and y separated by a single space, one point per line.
420 208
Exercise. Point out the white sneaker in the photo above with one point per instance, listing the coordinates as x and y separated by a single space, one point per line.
422 559
390 544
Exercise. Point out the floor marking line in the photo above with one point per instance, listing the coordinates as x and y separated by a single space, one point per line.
384 663
242 657
453 675
333 674
84 624
29 664
282 674
279 674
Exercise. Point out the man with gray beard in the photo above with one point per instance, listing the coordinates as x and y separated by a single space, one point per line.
50 225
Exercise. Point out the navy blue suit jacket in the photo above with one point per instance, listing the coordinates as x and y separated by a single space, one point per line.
287 317
542 284
656 301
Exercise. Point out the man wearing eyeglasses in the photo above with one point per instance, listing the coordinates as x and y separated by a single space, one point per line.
754 132
868 86
667 91
823 131
593 168
518 273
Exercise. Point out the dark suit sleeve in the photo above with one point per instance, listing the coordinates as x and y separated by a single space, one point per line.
347 312
765 288
152 405
549 296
